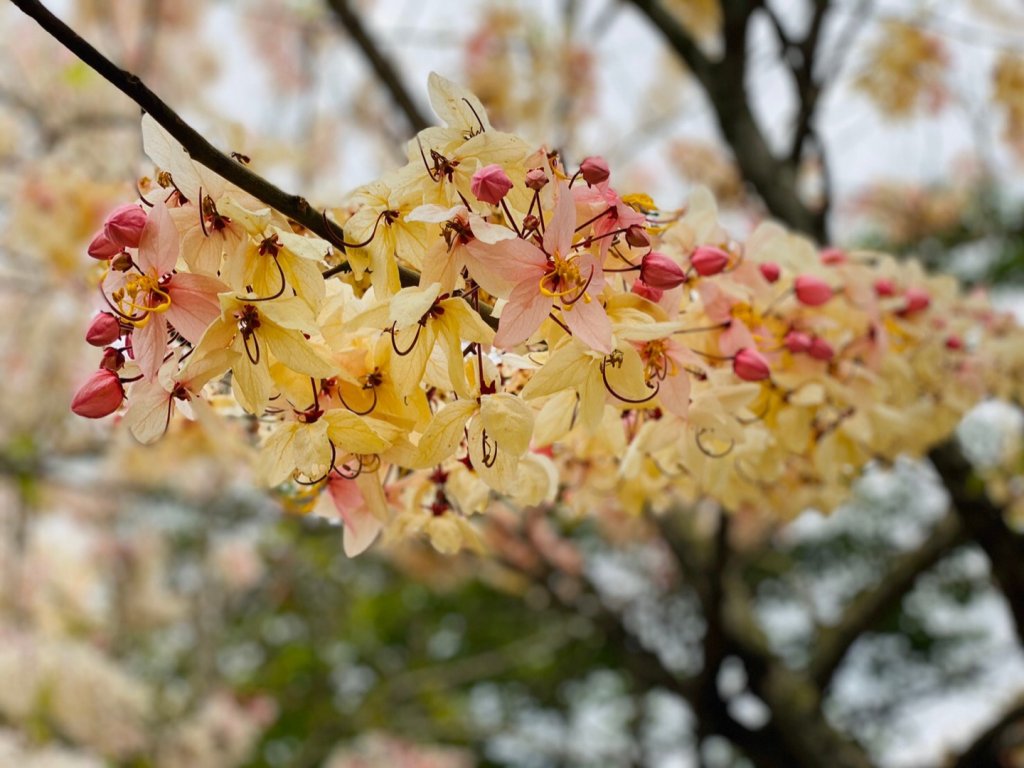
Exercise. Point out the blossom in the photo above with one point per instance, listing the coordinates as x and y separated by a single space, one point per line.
555 272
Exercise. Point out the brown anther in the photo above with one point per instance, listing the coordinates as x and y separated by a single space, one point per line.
270 246
122 262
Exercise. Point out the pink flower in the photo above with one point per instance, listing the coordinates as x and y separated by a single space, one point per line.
104 329
750 365
100 396
708 260
797 342
159 295
811 290
660 271
101 248
820 349
490 184
123 226
594 170
557 274
770 271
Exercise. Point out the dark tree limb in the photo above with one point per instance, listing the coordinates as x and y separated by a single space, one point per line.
724 82
874 603
198 148
984 751
984 522
382 66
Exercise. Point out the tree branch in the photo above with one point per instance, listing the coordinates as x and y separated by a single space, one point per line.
198 148
984 751
984 522
871 605
382 66
724 83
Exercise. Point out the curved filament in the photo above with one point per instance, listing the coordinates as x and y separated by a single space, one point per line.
699 437
411 347
623 398
278 294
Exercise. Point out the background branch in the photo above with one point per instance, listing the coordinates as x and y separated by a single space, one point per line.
382 66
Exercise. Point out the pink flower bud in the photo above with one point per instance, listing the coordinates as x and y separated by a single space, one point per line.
124 224
917 300
536 179
797 342
101 248
770 271
820 349
954 342
750 365
490 184
884 287
660 271
104 329
811 290
594 170
640 288
637 237
832 256
113 359
708 260
100 396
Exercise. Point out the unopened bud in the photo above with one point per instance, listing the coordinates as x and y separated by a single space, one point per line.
821 349
811 290
124 225
660 271
100 396
113 359
122 262
640 288
104 329
101 248
832 256
594 170
536 179
770 271
490 184
751 365
884 287
954 342
637 237
797 342
917 300
708 260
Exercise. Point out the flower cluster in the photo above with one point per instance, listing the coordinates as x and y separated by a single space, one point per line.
490 322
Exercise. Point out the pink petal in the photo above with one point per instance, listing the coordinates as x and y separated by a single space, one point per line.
501 266
526 309
149 343
159 246
560 230
589 323
194 304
